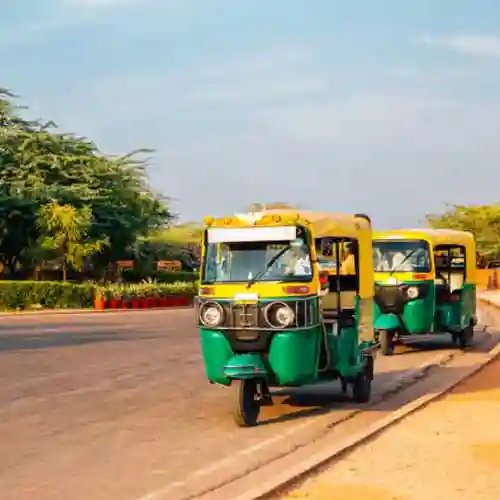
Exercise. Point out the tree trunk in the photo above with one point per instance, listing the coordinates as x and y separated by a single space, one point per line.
65 270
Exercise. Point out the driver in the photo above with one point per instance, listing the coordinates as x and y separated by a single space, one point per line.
349 263
299 263
401 262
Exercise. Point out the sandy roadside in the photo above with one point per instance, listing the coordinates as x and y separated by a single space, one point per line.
491 296
449 450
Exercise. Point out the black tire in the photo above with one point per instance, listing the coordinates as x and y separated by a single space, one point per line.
247 408
465 337
386 343
344 386
370 367
362 387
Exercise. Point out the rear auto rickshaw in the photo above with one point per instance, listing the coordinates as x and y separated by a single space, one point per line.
269 317
424 284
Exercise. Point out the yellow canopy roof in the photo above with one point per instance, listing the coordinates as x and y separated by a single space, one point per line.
434 236
328 223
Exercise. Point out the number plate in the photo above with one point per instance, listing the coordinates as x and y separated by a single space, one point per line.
246 298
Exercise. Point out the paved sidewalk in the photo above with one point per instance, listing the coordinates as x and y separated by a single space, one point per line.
449 450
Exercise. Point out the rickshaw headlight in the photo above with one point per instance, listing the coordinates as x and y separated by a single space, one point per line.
279 315
412 292
284 315
211 315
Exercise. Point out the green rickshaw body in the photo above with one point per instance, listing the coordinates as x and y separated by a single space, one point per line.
291 357
417 316
431 288
458 314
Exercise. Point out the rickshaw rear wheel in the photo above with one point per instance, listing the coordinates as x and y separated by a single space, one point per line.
362 387
386 342
247 407
343 385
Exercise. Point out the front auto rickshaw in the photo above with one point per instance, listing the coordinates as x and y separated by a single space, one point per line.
424 284
269 317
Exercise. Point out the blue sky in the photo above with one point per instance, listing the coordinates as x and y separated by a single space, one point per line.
386 107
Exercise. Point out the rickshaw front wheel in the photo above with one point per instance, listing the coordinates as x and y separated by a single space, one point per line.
247 407
386 342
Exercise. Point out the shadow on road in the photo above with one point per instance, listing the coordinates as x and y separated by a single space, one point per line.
20 327
46 340
306 402
314 400
439 342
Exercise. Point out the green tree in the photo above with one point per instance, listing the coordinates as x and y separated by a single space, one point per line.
38 164
481 220
65 232
178 242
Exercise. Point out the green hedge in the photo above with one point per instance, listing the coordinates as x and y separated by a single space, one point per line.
129 291
60 295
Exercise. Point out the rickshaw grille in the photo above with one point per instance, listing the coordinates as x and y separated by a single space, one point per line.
389 299
246 329
245 316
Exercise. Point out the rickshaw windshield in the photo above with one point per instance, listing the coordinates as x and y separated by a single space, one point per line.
243 261
401 256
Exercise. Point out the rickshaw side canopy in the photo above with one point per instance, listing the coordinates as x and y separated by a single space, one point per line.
342 225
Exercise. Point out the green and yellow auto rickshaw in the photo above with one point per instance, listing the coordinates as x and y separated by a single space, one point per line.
268 315
424 283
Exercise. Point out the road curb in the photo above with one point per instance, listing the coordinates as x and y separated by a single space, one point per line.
296 473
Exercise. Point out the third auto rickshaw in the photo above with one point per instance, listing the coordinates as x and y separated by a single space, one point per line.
269 316
424 283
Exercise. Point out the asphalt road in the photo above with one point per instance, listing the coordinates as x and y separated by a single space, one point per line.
116 406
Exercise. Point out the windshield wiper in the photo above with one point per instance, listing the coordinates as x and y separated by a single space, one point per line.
261 273
395 268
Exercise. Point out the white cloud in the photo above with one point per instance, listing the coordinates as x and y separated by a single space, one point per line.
272 115
38 26
278 76
99 3
170 5
32 30
276 58
473 45
359 119
282 93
